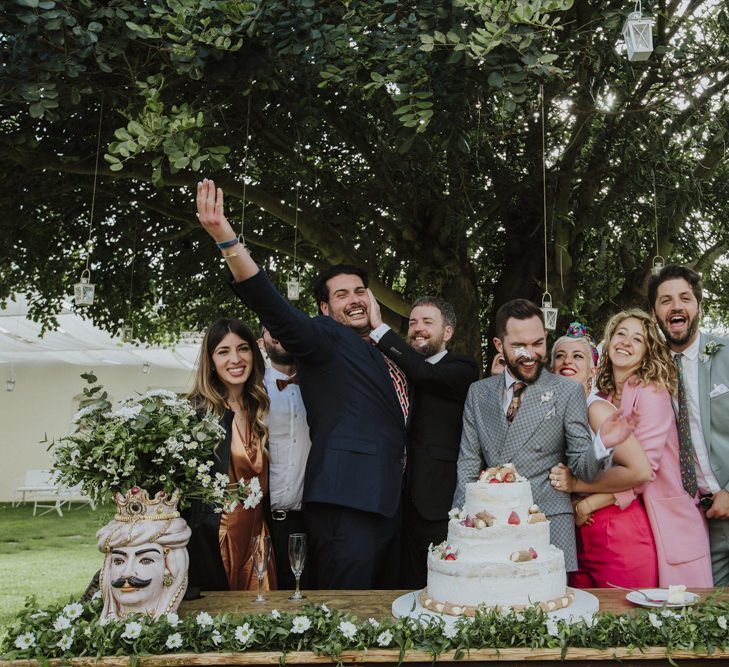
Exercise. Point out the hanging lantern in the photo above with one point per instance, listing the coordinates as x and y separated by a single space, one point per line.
146 368
550 313
127 333
658 264
293 288
10 384
638 35
83 291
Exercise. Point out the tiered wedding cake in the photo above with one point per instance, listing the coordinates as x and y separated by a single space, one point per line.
498 552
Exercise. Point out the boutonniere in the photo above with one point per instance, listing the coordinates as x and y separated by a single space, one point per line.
547 396
710 349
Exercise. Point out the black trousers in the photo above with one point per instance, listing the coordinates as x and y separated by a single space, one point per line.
281 524
353 549
417 534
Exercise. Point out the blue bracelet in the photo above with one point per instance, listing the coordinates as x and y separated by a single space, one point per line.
227 244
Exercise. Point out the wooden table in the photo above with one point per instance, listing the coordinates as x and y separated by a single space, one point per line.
377 604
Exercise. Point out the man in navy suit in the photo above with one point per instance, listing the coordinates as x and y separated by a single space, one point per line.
356 402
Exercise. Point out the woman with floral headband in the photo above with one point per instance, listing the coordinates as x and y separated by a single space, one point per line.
575 356
637 376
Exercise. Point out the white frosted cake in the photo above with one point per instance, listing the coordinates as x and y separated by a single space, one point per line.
497 553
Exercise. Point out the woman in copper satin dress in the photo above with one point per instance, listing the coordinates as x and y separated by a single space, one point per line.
229 382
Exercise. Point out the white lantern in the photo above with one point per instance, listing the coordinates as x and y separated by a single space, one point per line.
127 333
638 35
10 384
550 313
83 291
293 288
146 368
658 264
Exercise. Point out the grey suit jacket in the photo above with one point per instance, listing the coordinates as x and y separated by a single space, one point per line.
714 372
550 427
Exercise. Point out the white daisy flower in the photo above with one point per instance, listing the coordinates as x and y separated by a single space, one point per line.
450 631
552 627
64 643
326 611
174 641
62 623
204 620
243 633
721 620
655 621
348 629
132 630
25 641
385 638
173 619
300 625
73 610
216 637
275 613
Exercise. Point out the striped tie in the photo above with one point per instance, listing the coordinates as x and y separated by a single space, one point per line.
685 445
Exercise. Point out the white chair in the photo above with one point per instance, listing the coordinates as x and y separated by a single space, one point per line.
73 494
40 487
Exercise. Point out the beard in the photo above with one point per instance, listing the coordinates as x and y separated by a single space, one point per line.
678 340
429 347
518 371
278 356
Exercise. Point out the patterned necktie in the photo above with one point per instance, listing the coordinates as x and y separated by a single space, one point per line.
517 389
685 445
401 385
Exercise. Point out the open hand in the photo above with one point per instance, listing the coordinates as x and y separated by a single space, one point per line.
561 478
210 211
616 429
375 313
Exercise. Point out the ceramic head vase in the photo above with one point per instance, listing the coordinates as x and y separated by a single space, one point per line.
145 559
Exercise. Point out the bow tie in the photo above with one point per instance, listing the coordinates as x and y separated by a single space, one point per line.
282 384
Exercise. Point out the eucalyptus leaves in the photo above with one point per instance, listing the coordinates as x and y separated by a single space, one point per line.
155 441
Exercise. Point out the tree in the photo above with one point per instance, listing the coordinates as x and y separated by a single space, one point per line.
409 134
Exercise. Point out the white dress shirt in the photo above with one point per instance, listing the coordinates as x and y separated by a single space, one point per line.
380 331
690 363
601 451
288 442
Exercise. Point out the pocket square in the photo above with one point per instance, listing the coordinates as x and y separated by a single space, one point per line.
551 413
718 390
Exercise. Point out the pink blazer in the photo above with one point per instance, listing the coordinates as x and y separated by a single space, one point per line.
679 526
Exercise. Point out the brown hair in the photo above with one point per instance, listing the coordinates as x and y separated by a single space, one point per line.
210 393
672 272
520 309
656 367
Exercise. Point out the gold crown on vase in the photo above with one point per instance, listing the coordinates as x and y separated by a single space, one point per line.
136 505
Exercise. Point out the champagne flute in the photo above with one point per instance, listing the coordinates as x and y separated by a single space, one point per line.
297 558
260 553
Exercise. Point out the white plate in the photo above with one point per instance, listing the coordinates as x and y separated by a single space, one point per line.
662 595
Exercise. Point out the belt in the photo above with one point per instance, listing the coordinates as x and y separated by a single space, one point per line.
282 515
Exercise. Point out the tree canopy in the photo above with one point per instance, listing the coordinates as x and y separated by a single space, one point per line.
409 134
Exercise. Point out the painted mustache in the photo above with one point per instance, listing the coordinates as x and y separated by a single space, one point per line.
135 582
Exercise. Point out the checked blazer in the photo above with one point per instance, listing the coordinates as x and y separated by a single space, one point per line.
550 427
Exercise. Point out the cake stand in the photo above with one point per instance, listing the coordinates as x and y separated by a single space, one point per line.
584 607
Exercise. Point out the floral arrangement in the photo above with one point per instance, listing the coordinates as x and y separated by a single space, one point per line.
154 441
74 630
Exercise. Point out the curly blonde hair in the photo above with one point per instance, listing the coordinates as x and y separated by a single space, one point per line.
209 392
656 367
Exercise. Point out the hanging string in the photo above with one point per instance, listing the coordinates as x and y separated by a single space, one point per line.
296 225
134 259
655 212
544 189
93 191
245 169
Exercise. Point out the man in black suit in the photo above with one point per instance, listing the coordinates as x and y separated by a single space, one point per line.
356 402
440 381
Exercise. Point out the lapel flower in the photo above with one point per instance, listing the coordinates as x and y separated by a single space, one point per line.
710 349
547 396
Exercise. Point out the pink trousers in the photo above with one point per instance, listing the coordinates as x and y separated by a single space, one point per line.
617 548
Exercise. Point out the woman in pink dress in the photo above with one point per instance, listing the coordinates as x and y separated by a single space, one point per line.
637 375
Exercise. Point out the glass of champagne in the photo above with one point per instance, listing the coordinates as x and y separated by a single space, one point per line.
260 553
297 558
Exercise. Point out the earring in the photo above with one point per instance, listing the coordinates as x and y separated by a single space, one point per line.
589 385
167 579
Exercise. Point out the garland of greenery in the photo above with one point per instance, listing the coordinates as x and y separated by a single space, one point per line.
74 630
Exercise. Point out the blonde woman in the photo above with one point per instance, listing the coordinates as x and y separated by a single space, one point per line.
229 383
637 375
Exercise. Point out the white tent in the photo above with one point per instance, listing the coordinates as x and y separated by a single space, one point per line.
77 341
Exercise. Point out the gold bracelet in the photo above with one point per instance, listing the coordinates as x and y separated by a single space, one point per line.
230 254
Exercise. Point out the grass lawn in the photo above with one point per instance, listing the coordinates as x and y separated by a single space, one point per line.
50 557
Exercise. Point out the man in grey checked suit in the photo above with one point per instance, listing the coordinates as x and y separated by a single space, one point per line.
549 426
674 297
